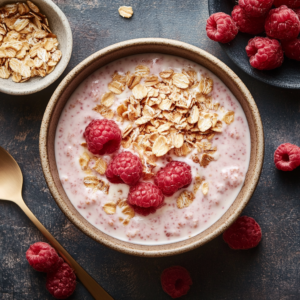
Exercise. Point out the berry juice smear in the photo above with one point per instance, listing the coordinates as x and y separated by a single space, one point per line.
225 175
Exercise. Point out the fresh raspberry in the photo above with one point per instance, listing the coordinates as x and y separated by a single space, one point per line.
291 49
176 281
125 168
287 157
243 234
221 28
256 8
247 24
145 198
42 257
103 136
264 53
282 23
144 211
61 283
174 176
288 3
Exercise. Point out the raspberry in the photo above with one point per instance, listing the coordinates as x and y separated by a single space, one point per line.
144 211
291 49
176 281
282 23
288 3
243 234
42 257
287 157
174 176
145 198
125 168
103 136
256 8
221 28
247 24
61 283
264 53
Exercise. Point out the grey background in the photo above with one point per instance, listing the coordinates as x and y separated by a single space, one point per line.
269 271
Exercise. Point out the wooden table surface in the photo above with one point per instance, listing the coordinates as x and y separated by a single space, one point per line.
269 271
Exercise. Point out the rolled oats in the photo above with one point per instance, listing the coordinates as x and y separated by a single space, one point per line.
229 117
110 208
24 34
205 188
185 199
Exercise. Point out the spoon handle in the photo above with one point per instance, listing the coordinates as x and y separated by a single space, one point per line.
91 285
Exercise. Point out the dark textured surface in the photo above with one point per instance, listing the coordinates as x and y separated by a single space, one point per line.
286 76
268 272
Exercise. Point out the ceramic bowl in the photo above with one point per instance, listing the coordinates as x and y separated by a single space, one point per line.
60 26
120 50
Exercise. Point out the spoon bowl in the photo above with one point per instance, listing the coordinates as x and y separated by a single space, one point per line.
11 178
11 182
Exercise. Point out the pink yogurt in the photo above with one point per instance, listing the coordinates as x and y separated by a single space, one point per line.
168 224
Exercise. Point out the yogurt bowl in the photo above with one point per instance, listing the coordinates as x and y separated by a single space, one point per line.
237 152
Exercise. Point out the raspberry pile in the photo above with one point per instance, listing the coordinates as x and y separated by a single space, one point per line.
287 157
244 233
61 280
104 137
281 25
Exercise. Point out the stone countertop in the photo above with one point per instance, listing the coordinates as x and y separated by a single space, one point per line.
269 271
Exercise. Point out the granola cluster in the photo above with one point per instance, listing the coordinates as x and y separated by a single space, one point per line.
28 48
172 112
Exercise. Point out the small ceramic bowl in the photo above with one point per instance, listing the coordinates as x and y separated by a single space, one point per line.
60 26
132 47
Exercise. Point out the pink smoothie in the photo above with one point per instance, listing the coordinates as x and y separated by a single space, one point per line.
168 224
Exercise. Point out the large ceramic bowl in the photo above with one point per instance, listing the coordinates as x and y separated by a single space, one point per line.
107 55
60 26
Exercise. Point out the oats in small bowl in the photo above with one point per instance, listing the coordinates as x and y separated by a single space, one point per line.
35 45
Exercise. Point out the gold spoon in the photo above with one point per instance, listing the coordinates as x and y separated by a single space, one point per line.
11 181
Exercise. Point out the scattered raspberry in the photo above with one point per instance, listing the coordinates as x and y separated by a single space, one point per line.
243 234
282 23
145 195
61 283
43 258
256 8
247 24
287 157
176 281
174 176
288 3
264 53
103 136
125 168
221 28
291 49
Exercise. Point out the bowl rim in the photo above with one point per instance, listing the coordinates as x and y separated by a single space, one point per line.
130 248
42 84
